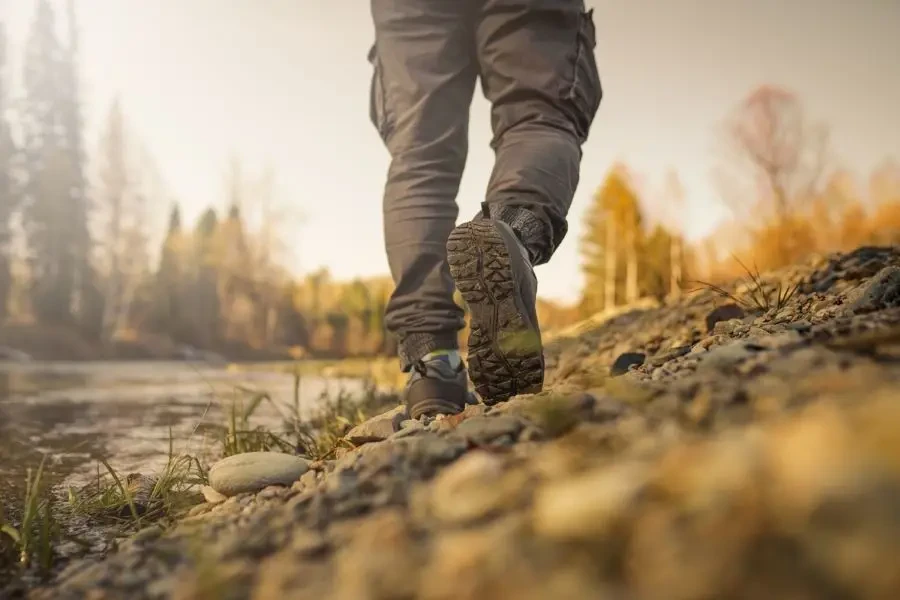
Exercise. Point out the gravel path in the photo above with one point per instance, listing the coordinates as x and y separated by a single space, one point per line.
693 451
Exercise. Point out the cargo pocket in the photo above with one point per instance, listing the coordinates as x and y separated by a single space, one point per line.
585 91
377 99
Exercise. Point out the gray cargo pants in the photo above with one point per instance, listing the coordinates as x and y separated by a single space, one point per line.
535 60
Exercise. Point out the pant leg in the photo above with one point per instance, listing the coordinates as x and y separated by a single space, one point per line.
538 70
424 78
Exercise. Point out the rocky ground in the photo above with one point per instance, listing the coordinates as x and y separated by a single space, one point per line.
698 450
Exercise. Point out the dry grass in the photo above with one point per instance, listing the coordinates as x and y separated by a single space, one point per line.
759 296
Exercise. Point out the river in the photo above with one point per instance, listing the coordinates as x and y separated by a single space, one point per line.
77 413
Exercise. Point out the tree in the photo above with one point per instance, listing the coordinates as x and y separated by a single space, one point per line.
884 183
675 204
87 300
204 286
169 310
55 213
612 236
777 159
778 149
8 191
123 246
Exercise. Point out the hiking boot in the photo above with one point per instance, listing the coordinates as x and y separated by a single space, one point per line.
436 386
493 272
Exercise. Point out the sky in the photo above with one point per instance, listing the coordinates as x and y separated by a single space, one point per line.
285 83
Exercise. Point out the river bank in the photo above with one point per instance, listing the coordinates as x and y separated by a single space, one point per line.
744 447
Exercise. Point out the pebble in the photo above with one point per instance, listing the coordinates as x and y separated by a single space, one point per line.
253 471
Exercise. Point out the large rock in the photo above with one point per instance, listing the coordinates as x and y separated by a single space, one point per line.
253 471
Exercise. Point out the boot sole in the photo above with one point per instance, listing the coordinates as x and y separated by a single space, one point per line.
505 355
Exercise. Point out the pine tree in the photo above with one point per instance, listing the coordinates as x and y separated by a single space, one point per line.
8 191
124 240
612 239
55 213
87 298
168 310
205 308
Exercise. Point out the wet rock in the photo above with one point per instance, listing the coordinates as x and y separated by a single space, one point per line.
625 361
377 428
253 471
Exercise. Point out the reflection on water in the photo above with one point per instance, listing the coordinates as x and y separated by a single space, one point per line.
76 413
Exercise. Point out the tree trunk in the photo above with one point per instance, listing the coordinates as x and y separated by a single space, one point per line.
609 271
631 267
676 261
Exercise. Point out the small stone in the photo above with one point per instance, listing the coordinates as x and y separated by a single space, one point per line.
625 361
377 428
253 471
212 496
726 312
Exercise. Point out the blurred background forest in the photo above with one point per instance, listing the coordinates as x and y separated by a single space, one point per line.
82 276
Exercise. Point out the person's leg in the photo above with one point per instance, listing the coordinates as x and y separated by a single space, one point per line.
538 70
424 78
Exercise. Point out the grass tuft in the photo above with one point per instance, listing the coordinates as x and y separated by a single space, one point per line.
759 296
136 500
37 532
316 437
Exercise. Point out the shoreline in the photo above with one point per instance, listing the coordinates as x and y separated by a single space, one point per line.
673 450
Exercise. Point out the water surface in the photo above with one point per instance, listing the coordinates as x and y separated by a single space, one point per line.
76 413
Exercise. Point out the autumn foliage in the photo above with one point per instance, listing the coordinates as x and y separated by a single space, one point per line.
788 200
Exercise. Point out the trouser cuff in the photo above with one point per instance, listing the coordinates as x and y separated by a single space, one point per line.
416 345
532 231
